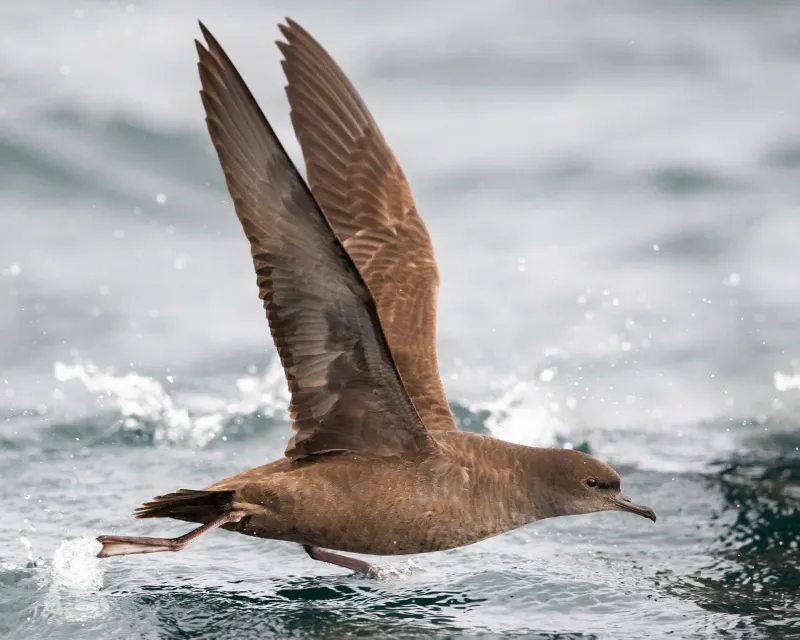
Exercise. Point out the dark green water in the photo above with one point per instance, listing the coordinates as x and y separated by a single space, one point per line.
612 190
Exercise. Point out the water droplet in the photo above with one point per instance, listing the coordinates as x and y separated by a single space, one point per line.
547 375
13 270
732 280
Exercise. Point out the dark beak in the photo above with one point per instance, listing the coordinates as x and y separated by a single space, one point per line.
624 504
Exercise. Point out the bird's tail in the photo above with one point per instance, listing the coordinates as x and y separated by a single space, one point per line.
188 505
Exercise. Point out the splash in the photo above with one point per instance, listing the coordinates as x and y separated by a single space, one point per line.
32 560
142 401
522 413
267 394
76 578
407 569
146 406
76 567
788 381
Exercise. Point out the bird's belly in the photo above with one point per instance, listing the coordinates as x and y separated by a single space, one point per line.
378 523
388 533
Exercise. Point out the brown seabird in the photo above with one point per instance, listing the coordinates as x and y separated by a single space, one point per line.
346 271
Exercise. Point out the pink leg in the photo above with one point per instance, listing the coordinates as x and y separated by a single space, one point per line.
126 545
354 564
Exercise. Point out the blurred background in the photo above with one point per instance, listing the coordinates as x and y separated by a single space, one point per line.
612 192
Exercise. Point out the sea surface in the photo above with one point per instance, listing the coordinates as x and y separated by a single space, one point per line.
613 193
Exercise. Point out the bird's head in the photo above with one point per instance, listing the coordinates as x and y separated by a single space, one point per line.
580 483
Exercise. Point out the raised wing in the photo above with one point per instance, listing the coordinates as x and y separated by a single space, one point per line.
362 191
345 389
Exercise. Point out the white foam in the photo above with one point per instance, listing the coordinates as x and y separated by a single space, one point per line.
521 414
75 565
29 549
409 568
76 578
144 404
267 394
787 381
142 401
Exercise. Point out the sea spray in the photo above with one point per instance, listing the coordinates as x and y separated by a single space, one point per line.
75 581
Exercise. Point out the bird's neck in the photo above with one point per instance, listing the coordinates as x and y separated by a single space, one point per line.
536 493
515 479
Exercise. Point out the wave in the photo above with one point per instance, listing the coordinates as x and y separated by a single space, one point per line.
141 409
146 409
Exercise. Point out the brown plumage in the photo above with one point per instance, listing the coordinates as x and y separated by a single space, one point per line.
347 276
363 193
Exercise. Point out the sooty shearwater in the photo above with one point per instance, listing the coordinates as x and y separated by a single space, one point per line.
346 272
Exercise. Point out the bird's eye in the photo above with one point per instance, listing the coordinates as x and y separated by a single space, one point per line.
591 483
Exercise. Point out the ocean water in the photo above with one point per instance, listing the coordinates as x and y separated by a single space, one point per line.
613 193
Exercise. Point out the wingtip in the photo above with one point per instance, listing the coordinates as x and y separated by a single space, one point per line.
292 33
283 47
211 41
204 48
286 31
292 29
